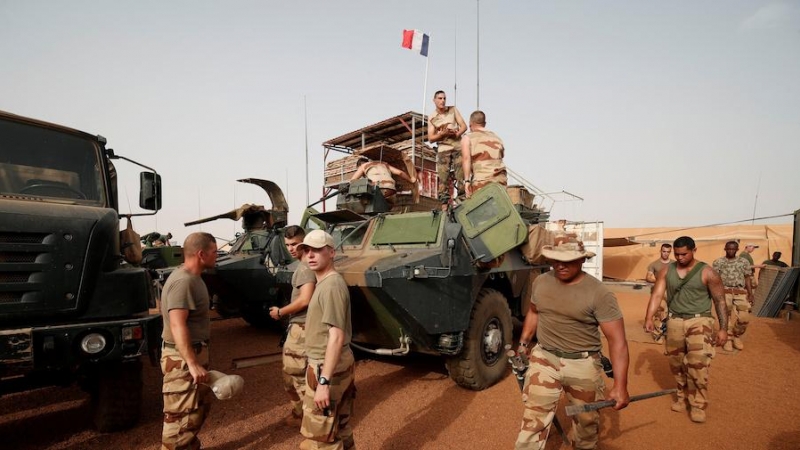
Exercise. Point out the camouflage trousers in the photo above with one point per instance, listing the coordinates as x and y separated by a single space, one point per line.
739 314
659 317
448 167
294 367
548 375
186 405
690 348
331 432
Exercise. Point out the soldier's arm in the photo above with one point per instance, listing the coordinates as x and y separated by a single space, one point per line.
462 126
529 326
183 343
748 285
620 359
322 396
650 277
715 288
466 164
359 172
395 171
655 298
433 134
301 302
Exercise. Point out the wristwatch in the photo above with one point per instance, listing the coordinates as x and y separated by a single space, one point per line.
324 381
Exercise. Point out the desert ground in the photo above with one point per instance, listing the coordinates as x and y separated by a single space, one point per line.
410 403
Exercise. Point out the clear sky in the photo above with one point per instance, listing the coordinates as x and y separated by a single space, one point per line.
656 113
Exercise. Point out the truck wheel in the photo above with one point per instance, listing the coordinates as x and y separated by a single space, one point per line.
117 396
482 362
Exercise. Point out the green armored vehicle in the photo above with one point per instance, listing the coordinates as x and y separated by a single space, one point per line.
243 283
425 280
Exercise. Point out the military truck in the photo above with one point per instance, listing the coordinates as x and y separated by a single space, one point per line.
243 282
422 279
71 308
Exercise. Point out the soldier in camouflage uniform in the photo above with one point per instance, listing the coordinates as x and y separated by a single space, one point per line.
482 153
567 307
652 271
294 349
445 126
330 376
735 273
184 356
690 285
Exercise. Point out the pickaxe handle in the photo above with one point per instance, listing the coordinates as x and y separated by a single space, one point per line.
586 407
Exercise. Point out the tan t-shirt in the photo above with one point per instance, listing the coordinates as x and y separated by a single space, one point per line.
569 315
301 276
186 291
329 307
655 267
447 119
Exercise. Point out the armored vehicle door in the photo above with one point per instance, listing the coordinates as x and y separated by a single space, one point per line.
491 224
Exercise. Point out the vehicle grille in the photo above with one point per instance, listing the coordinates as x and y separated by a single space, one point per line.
22 238
15 279
10 297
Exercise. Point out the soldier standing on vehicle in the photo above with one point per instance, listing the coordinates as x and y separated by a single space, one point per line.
294 349
690 285
735 274
382 175
330 376
185 356
567 307
652 271
482 154
446 126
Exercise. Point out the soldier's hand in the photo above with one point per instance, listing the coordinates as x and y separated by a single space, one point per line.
322 396
722 337
199 373
648 325
273 312
620 395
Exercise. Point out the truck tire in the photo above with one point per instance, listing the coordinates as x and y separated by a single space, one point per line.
117 396
482 361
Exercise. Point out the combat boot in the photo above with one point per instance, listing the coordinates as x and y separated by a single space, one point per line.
738 344
698 415
679 406
293 421
307 444
728 347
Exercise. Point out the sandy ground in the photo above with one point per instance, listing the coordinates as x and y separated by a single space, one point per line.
410 403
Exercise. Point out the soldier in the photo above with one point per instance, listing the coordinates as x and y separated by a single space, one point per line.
652 270
184 356
775 261
747 255
690 285
294 349
381 174
567 306
330 376
446 126
482 154
735 274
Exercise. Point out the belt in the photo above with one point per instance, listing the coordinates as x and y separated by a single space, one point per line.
571 355
688 316
195 345
735 290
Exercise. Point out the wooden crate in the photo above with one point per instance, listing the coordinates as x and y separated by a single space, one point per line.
520 196
340 170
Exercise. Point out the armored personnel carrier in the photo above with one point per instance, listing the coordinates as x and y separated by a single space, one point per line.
422 279
243 282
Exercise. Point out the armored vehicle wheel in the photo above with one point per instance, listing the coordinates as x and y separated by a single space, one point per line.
117 396
482 362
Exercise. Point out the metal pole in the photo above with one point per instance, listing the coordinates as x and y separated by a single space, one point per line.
425 83
478 68
305 120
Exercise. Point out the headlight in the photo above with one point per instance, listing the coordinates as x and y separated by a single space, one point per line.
93 343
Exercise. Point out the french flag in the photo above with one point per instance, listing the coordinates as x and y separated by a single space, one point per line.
416 40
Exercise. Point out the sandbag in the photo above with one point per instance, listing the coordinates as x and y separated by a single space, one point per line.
538 237
130 244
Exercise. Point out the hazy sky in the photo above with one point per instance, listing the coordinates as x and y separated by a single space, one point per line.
656 113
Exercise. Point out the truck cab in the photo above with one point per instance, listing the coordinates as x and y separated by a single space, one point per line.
71 308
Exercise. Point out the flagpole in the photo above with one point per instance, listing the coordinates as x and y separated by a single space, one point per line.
478 68
425 88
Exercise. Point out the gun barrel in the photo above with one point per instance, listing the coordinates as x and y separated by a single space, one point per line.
586 407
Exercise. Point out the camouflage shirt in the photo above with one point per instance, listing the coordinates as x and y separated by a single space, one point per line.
487 152
732 271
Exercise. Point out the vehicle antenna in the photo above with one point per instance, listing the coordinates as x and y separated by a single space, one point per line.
305 120
478 65
755 203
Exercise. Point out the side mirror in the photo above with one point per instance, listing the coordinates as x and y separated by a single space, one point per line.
150 191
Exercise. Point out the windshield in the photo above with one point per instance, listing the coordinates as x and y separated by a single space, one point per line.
47 164
349 231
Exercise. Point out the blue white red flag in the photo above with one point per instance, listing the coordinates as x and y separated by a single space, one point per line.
416 40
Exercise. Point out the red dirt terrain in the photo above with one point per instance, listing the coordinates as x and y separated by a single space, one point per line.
410 403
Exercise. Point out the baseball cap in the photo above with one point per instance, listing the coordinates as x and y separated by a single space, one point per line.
750 244
224 386
317 239
566 249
